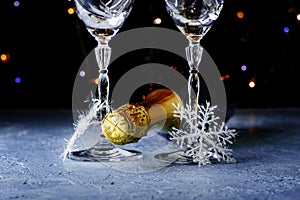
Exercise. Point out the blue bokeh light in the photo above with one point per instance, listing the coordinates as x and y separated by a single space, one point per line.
18 80
286 29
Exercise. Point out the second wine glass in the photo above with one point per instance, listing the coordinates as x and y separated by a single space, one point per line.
103 19
193 18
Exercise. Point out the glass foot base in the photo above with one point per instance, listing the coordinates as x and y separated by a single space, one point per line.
104 154
176 157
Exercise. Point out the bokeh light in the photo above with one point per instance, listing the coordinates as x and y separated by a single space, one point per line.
71 11
227 76
18 80
4 57
157 21
286 29
252 84
298 17
240 14
16 3
243 67
95 81
82 73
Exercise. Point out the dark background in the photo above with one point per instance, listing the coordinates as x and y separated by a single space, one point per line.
46 47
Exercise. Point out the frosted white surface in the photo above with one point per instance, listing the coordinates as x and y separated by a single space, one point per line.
267 151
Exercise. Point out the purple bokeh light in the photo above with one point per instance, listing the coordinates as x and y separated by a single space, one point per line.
16 3
243 67
82 73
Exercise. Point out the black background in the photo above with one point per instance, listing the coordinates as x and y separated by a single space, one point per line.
47 46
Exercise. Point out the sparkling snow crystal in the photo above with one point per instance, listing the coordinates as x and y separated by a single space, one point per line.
200 135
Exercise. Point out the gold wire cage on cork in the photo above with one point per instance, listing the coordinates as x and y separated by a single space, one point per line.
130 122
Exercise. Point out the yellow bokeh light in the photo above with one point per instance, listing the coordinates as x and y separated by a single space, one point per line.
3 57
71 11
252 84
298 17
240 15
95 81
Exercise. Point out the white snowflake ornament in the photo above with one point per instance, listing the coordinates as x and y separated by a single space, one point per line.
201 136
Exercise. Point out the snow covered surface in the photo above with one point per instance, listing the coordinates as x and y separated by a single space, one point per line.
267 151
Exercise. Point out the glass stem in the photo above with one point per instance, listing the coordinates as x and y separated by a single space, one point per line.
103 53
194 54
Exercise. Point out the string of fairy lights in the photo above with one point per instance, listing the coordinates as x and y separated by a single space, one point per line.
290 29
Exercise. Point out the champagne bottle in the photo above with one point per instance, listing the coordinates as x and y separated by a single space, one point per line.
130 122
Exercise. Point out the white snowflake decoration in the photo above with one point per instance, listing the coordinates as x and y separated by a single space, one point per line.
200 135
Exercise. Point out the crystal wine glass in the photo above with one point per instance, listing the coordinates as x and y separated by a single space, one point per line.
193 18
103 19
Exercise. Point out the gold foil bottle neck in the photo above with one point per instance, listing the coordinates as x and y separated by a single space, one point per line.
130 122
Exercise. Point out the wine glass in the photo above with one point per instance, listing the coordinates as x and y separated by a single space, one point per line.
103 19
193 18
